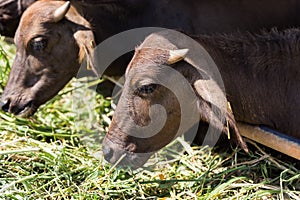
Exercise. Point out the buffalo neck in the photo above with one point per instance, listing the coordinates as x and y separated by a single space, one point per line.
260 73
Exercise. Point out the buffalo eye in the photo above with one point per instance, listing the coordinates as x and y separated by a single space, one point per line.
38 44
146 89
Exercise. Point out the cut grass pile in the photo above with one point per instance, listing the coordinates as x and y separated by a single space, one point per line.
56 154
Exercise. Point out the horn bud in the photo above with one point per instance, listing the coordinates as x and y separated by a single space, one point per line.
177 55
60 12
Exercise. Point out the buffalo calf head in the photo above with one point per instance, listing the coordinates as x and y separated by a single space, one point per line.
163 97
51 41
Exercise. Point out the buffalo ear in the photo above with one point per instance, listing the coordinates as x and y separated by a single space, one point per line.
61 12
86 42
211 94
84 37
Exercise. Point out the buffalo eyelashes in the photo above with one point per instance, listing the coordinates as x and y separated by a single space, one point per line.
146 89
38 44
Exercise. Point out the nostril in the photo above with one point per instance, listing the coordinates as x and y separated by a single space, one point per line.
107 152
5 105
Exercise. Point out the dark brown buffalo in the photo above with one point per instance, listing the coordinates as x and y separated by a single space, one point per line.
260 74
53 37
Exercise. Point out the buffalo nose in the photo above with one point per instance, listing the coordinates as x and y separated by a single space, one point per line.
5 105
107 152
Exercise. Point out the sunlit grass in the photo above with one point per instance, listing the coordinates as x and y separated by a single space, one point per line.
56 154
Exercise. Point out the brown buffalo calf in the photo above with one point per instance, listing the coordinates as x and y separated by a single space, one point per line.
260 73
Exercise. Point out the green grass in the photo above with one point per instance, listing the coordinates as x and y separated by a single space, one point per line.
56 154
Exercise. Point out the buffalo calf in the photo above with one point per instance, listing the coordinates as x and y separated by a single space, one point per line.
259 77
